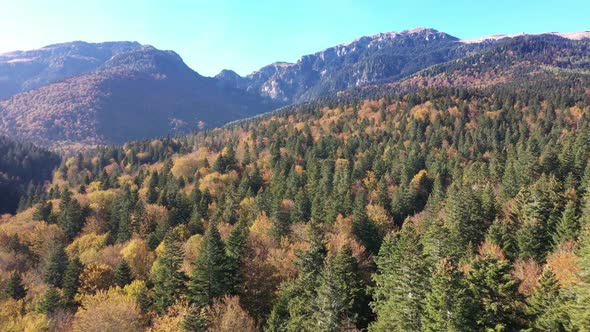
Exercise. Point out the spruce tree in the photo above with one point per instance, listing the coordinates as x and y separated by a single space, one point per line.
546 305
122 274
15 287
50 302
341 296
363 228
209 278
578 306
43 211
568 227
400 283
71 280
56 265
71 217
449 305
168 278
499 304
235 248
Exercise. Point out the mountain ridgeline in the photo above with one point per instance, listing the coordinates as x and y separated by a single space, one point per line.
81 94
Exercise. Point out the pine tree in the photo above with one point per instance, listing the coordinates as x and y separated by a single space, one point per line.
50 302
169 280
71 280
568 227
70 218
449 305
500 304
341 295
363 228
209 277
122 274
55 268
235 249
546 305
400 283
43 211
15 287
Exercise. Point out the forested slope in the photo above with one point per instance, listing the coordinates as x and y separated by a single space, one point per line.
441 210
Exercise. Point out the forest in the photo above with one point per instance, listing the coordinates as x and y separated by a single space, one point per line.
445 209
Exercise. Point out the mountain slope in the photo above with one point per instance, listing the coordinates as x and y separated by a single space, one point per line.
402 58
137 94
384 57
26 70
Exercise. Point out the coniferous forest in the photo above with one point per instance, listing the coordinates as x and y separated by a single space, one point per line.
445 209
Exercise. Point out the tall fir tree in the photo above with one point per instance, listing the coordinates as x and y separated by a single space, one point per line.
500 305
122 274
546 305
168 279
449 305
209 279
400 283
71 280
363 228
56 265
15 288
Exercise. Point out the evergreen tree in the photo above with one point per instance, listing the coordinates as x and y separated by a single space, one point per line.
578 305
363 228
50 302
400 283
568 227
235 249
341 294
546 305
448 306
152 193
56 265
122 274
15 287
43 211
500 304
71 280
71 217
168 278
209 278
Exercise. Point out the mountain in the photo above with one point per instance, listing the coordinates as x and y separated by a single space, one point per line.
370 59
109 93
136 93
26 70
519 61
373 60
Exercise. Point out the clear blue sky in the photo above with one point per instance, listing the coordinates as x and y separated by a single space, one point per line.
245 35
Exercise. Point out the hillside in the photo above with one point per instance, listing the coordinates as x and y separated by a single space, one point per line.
137 94
325 216
23 167
27 70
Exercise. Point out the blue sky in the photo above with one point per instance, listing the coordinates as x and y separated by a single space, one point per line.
245 35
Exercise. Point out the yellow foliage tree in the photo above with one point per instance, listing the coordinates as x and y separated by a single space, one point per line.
111 310
226 315
139 257
94 278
